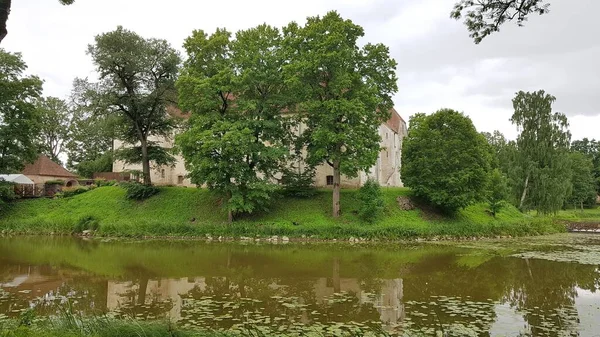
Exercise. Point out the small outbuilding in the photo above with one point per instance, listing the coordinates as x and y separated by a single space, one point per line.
44 169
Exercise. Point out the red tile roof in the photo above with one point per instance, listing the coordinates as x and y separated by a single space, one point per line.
395 121
43 166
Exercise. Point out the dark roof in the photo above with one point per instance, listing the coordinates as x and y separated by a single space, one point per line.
43 166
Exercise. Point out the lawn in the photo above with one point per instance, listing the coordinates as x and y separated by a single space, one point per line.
178 211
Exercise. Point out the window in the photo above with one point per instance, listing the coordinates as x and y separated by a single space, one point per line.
162 173
329 180
180 180
386 135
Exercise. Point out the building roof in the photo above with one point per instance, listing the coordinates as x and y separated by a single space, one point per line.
16 178
395 122
43 166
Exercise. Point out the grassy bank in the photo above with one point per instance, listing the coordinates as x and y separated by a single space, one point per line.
195 212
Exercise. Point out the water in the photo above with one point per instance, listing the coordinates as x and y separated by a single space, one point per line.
545 286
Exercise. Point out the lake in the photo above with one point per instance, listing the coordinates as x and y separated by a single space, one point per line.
544 286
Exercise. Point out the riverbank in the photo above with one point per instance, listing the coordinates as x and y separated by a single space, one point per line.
191 212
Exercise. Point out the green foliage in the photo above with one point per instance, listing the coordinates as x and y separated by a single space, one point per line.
104 182
583 183
7 193
485 17
137 84
237 137
19 118
55 182
69 192
157 155
445 160
591 149
298 183
86 223
497 191
91 133
343 92
137 191
372 204
54 126
542 158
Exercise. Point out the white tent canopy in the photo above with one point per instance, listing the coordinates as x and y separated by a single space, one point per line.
16 178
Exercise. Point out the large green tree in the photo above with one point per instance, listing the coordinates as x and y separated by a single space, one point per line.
235 142
91 135
591 149
19 118
56 118
484 17
137 84
582 179
543 156
445 160
5 12
344 93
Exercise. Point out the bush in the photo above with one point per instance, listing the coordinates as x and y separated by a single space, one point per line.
371 199
104 182
86 223
7 191
137 191
298 184
55 182
69 192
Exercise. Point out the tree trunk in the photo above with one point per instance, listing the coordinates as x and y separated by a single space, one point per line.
337 284
229 211
145 162
336 189
524 193
4 12
142 290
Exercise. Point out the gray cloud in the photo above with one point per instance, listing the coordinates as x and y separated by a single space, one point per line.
438 64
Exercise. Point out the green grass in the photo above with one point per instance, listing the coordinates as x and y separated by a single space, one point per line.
577 215
170 213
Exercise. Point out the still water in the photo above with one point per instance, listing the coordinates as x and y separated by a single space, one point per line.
545 286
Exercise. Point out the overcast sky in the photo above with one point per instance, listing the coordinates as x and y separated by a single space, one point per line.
438 64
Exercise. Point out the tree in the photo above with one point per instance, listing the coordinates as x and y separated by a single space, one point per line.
484 17
19 118
236 138
344 93
54 126
92 132
497 191
137 84
582 179
5 11
542 152
445 160
591 149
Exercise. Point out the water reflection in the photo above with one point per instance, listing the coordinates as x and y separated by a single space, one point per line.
414 288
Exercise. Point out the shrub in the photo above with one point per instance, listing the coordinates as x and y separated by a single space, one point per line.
7 191
371 201
86 223
69 192
55 182
137 191
298 184
104 182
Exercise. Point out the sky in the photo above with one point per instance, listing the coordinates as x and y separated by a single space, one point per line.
439 66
